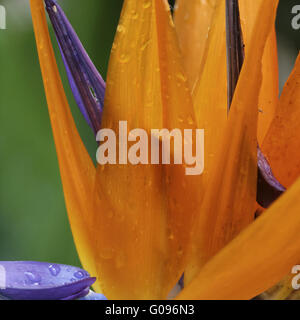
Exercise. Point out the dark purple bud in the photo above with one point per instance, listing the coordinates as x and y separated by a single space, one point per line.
29 280
268 188
86 83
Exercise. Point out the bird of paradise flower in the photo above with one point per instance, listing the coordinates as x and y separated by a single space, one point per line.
139 228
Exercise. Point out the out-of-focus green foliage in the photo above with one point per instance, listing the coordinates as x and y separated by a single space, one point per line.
33 219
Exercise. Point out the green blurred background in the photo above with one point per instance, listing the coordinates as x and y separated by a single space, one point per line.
33 219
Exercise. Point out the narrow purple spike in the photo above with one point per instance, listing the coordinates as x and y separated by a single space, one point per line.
74 89
29 280
86 83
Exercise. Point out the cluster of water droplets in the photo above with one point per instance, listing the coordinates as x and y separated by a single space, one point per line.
43 275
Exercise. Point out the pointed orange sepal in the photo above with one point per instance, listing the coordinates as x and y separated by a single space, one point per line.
269 93
148 208
193 20
76 167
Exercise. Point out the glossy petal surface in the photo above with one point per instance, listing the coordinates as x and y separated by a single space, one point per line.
148 212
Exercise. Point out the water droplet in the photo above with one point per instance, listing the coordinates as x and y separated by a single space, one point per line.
145 45
190 120
180 76
121 28
54 269
180 252
171 236
134 15
124 58
33 278
146 4
79 275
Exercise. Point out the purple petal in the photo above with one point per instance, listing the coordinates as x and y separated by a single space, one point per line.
78 295
74 89
29 280
86 83
93 296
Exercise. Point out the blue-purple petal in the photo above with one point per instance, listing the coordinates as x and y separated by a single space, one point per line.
74 89
29 280
86 83
93 296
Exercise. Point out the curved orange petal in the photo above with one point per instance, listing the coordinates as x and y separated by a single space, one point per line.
192 20
76 167
255 260
268 98
230 197
282 143
144 230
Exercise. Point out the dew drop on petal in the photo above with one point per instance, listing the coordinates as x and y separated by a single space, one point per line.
79 274
32 277
54 269
147 4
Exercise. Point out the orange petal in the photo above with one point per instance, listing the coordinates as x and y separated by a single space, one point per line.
210 103
282 143
76 168
148 211
269 93
268 98
230 197
192 20
210 94
255 260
